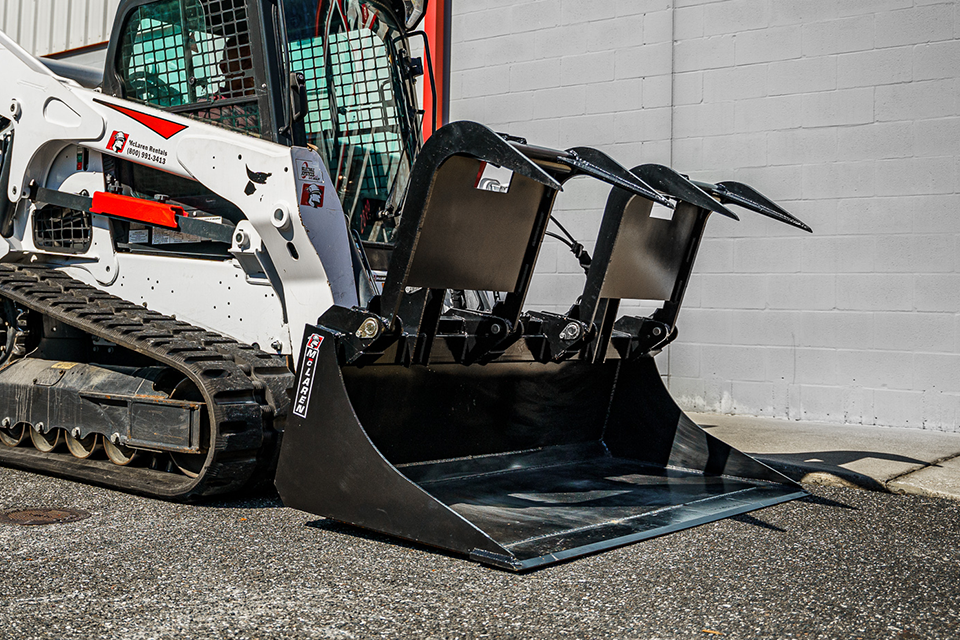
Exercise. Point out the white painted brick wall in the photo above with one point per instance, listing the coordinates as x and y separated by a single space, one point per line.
845 111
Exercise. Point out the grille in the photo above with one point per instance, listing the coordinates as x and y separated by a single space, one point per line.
65 230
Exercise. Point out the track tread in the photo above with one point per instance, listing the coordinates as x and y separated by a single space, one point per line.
250 388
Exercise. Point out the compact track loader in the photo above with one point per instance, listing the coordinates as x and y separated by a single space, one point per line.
246 183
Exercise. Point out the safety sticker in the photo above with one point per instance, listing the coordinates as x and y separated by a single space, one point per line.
310 171
493 178
661 212
307 373
311 195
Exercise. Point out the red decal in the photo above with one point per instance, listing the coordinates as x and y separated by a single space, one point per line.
145 211
483 165
164 128
312 195
118 140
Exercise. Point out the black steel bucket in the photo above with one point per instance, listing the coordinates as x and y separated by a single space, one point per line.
516 464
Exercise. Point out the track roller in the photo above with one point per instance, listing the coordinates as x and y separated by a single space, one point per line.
82 448
44 442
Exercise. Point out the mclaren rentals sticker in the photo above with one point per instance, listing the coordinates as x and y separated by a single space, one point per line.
307 373
121 144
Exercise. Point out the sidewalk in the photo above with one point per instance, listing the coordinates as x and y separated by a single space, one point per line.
889 459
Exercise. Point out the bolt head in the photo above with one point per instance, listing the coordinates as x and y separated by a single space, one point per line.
6 422
368 329
570 332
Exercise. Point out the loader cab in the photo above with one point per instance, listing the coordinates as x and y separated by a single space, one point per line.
205 59
361 111
334 75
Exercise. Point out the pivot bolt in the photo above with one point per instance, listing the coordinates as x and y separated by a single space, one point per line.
277 345
495 328
281 218
6 422
570 332
115 438
38 427
369 328
76 432
657 331
242 240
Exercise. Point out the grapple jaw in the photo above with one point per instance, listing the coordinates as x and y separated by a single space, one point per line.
518 438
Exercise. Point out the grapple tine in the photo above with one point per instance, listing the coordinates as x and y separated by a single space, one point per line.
596 163
749 198
669 181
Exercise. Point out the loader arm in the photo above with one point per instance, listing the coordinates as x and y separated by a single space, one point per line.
49 113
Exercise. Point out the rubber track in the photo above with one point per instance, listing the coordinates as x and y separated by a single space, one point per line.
245 389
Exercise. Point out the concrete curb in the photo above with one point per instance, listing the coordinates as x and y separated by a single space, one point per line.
887 459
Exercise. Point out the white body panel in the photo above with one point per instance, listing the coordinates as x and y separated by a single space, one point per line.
50 114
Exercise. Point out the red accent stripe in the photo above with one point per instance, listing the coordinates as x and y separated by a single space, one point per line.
145 211
163 127
433 24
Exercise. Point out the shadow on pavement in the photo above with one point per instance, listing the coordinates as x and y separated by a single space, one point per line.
826 502
834 458
746 518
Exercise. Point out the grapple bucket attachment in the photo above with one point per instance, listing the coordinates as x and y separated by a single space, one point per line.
517 438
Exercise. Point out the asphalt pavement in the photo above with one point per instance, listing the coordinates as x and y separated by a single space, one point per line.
842 563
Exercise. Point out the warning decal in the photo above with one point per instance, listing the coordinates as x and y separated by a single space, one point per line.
308 371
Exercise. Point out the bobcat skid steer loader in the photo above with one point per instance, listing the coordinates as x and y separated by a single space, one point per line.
246 183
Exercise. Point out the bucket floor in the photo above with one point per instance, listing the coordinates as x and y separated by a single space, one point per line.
576 506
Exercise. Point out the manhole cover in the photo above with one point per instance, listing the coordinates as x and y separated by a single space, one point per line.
41 516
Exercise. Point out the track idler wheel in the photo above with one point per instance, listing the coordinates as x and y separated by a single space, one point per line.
15 435
82 448
44 442
119 454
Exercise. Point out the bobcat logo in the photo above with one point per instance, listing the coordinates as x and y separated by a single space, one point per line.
118 140
312 195
258 177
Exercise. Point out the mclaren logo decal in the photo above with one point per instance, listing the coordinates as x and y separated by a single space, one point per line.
118 140
307 373
162 127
